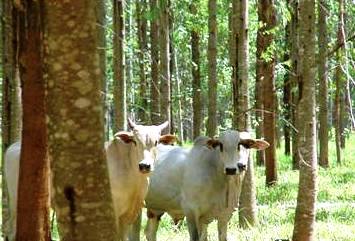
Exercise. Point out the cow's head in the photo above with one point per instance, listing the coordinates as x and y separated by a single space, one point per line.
234 150
149 136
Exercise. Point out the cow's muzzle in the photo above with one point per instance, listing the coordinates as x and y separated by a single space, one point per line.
144 168
242 167
231 171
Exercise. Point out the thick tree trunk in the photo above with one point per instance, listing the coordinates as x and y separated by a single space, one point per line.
76 143
120 99
154 47
267 16
212 68
164 42
323 83
306 210
143 49
33 190
196 77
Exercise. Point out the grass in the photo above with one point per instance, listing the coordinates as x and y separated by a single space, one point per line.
335 219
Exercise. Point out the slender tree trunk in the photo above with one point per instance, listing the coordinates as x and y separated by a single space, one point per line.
234 39
178 93
287 105
212 68
165 100
323 83
247 207
306 210
267 17
143 49
154 86
120 99
294 80
75 125
196 77
128 56
33 190
11 120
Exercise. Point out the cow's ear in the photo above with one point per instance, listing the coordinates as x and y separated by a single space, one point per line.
126 137
213 143
131 124
254 143
164 125
168 139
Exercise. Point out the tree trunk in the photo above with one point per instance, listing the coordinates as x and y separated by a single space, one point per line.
154 47
128 53
76 143
247 207
164 42
294 80
212 68
143 49
11 120
196 77
267 18
120 99
33 189
323 83
305 210
287 105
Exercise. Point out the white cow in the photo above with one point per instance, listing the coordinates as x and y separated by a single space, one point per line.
202 183
130 157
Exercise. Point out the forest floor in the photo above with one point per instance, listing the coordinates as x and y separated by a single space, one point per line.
276 205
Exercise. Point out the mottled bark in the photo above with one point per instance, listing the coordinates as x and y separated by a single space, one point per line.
154 48
323 83
143 50
81 186
164 44
196 77
128 56
306 210
212 68
266 72
119 86
33 188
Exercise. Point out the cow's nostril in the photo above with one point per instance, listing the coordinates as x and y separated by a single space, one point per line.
231 171
242 167
144 167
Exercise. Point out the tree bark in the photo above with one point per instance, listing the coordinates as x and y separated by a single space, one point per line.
33 190
212 68
306 210
120 99
81 186
143 49
323 83
164 42
196 77
294 80
154 47
247 207
11 120
266 67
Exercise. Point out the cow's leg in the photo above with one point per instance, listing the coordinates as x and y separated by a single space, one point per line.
191 224
152 225
222 229
122 231
134 233
202 231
